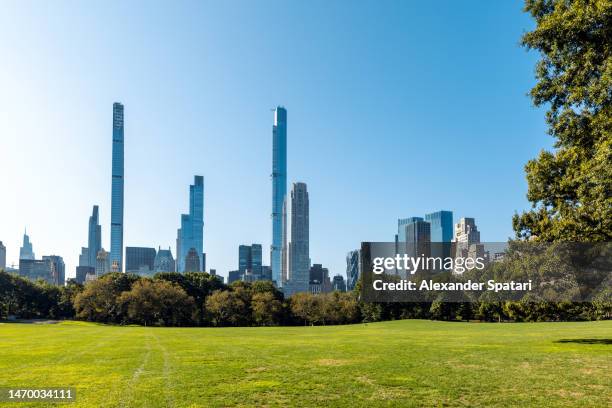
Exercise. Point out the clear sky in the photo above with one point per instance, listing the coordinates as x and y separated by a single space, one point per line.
395 108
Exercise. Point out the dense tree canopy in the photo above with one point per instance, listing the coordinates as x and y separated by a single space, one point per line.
571 187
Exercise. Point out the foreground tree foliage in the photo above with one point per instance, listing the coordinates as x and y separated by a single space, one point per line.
158 303
571 187
128 299
99 301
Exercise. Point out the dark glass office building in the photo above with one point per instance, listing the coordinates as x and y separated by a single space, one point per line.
139 259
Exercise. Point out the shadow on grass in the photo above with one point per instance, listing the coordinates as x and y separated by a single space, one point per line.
585 341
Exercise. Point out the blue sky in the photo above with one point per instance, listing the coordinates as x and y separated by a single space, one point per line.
395 108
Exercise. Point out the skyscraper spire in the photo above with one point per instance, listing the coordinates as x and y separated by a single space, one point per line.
26 251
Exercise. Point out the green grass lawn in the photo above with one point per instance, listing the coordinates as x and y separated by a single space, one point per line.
402 363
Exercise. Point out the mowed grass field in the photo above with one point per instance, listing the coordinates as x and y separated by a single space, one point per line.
401 363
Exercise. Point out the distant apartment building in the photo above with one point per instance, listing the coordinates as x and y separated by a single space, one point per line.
400 238
250 263
233 276
2 256
58 269
319 281
140 260
418 238
84 257
82 272
353 268
103 264
90 277
192 261
467 240
164 262
298 230
338 283
266 272
466 231
35 269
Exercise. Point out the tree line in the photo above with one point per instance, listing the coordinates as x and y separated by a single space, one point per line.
200 299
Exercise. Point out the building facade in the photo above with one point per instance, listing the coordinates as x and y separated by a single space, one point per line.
103 264
466 231
35 269
117 187
401 227
339 284
94 238
353 268
2 256
233 276
319 281
441 230
298 249
140 260
84 257
250 258
441 225
191 233
192 261
58 269
164 261
82 272
279 190
26 251
418 238
467 240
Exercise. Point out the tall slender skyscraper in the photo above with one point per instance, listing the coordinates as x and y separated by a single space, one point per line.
191 234
298 248
116 252
94 241
279 189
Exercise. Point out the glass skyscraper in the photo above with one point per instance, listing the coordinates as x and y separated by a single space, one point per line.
249 258
441 225
26 251
94 241
353 268
279 189
139 259
116 252
401 227
441 230
191 233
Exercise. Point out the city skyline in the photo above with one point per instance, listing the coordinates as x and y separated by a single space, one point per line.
384 106
190 236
